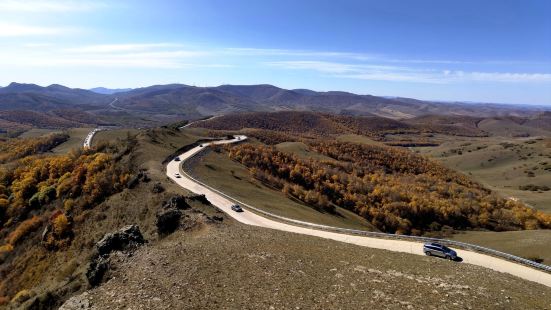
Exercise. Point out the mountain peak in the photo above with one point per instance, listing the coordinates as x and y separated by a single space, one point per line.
20 87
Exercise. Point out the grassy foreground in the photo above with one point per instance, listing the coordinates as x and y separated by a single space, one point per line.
233 266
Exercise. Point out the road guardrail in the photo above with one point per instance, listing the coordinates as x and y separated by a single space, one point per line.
463 245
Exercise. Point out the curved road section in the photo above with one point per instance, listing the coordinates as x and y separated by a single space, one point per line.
88 140
219 200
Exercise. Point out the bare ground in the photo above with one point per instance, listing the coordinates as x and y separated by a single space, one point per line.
233 266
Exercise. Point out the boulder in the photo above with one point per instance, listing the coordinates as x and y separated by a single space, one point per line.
176 202
128 237
168 221
157 188
96 270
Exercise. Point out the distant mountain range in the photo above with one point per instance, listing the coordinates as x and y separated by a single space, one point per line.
158 104
306 123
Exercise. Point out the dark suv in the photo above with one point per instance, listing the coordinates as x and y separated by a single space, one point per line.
437 249
236 208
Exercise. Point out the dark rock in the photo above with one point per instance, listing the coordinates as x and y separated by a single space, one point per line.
176 202
96 270
145 178
133 182
128 237
168 221
201 198
157 188
217 218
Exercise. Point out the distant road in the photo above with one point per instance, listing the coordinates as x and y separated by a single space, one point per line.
112 105
201 120
219 200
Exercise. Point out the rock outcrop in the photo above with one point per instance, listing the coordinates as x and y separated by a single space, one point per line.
176 202
168 221
128 237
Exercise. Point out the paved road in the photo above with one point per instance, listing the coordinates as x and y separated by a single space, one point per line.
88 140
197 121
412 247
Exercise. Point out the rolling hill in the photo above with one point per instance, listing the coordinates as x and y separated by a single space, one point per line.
158 104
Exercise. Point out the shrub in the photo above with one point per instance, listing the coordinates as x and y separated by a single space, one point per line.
24 229
68 205
6 248
60 225
60 231
21 296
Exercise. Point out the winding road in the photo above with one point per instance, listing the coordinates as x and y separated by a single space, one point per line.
88 140
221 201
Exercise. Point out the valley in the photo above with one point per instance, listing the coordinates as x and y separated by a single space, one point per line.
374 171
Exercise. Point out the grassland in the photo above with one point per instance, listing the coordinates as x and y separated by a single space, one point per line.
301 150
76 139
529 244
38 132
217 170
112 135
505 165
358 139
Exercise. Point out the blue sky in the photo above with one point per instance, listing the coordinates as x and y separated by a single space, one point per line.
485 51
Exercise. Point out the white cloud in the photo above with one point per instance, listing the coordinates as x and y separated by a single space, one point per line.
115 48
43 6
147 55
301 53
407 74
19 30
510 77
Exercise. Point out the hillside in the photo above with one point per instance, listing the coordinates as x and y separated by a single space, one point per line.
277 127
307 123
47 270
159 104
54 119
449 124
234 98
36 98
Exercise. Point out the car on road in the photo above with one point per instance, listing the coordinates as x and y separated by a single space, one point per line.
177 158
437 249
237 208
177 175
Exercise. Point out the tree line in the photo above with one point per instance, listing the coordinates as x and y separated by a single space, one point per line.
397 191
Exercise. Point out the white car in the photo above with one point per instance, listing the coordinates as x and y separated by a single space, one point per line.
177 175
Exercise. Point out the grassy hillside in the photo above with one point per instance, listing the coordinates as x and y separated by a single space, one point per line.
68 192
530 244
219 171
518 168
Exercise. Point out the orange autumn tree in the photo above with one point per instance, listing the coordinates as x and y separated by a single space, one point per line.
396 190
